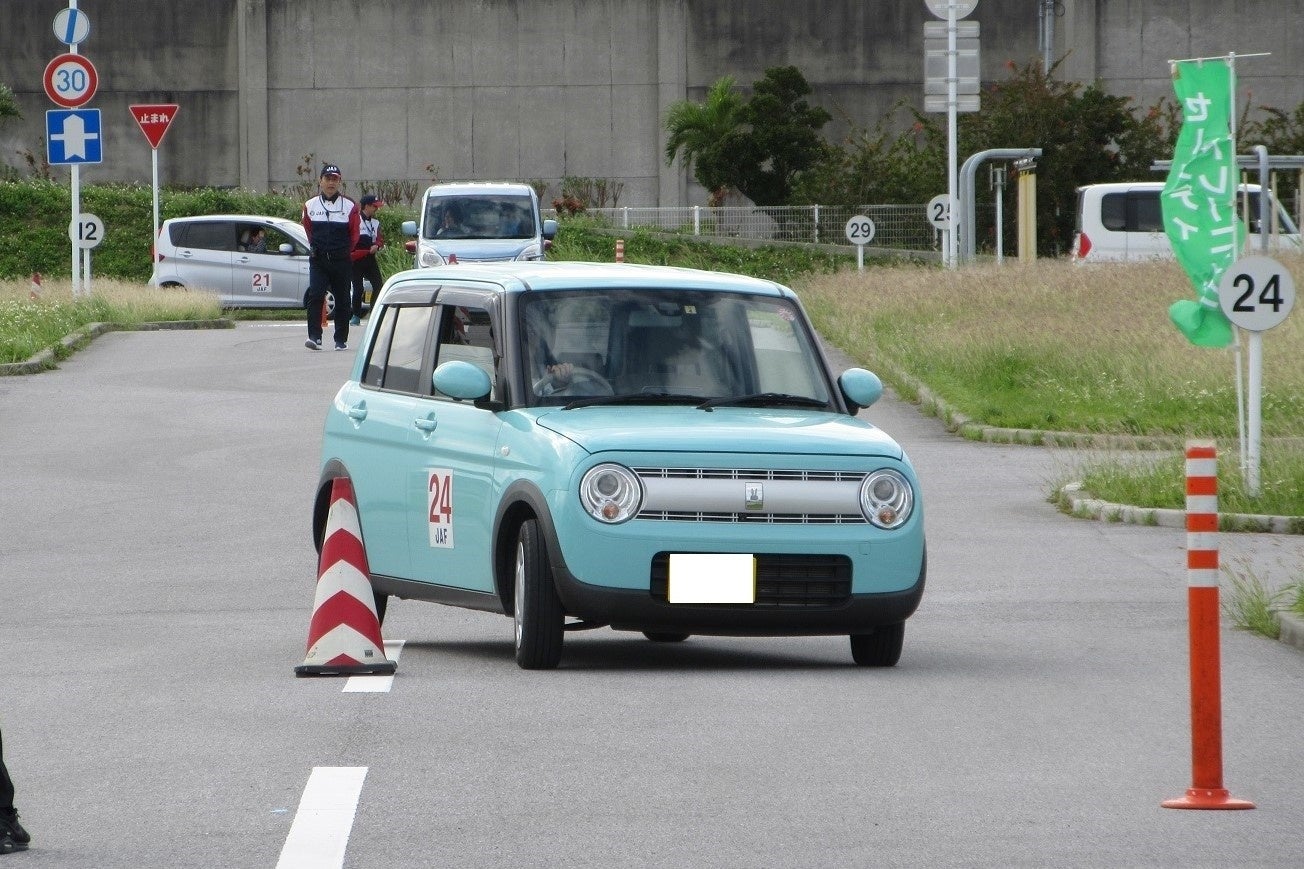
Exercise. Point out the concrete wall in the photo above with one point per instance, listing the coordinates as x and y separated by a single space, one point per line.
541 89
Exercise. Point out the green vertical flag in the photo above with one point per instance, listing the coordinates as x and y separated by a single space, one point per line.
1199 197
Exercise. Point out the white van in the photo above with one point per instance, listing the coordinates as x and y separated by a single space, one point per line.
479 222
1124 222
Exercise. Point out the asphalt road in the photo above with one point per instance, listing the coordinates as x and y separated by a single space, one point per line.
156 582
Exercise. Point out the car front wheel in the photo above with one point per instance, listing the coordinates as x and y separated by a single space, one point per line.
882 648
538 614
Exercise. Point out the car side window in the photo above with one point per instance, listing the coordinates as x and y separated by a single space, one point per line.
1148 217
210 235
1113 211
466 335
396 355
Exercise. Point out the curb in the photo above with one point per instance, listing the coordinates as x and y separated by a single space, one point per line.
1094 508
47 359
1292 629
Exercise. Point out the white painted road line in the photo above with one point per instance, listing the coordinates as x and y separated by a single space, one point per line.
321 827
375 684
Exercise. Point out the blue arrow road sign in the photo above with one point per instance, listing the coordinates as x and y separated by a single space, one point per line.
73 136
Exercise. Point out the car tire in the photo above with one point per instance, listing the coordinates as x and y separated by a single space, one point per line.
539 619
665 636
882 648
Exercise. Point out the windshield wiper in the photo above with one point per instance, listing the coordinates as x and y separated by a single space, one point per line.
634 398
763 399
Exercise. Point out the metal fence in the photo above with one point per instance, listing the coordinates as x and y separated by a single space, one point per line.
903 227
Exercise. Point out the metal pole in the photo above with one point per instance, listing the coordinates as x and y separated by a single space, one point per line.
154 162
953 228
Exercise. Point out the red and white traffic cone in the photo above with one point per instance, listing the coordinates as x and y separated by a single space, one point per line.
344 635
620 250
35 293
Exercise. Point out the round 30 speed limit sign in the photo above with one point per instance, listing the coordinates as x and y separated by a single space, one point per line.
1256 293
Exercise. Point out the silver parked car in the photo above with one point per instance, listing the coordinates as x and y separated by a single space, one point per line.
249 260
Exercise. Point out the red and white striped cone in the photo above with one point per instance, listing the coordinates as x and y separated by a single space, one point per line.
620 250
344 635
35 293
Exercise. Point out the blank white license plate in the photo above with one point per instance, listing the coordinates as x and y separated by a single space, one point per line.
712 578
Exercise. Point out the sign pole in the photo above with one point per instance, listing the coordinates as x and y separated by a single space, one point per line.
76 219
952 231
154 166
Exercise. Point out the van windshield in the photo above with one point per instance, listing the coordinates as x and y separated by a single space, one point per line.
504 215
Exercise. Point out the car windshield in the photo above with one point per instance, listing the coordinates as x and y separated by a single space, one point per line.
584 348
499 215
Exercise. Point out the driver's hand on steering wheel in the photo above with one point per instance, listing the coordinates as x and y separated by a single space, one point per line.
560 374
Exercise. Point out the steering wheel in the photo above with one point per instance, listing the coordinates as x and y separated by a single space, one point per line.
594 384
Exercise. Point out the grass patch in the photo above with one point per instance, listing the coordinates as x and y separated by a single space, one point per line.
1249 604
29 326
1055 346
1159 481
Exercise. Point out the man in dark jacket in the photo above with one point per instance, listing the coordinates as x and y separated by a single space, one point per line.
332 222
364 255
12 835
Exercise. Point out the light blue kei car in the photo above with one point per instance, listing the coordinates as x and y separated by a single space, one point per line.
652 449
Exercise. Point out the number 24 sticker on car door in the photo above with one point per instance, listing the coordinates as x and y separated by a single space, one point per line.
439 498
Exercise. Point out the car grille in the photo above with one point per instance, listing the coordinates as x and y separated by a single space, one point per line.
788 497
782 581
749 474
763 518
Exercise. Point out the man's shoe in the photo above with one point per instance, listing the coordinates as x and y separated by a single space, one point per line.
312 345
355 322
341 346
12 835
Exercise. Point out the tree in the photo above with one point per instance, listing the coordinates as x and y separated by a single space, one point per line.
8 105
697 130
778 137
758 145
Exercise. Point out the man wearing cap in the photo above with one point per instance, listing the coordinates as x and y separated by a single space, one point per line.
364 254
332 222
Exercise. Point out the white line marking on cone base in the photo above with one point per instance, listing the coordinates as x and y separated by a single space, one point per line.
320 832
376 684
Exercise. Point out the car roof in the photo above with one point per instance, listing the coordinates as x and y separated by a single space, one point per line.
545 276
471 188
241 218
1124 186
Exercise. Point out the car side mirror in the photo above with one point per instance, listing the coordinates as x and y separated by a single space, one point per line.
410 228
286 248
462 380
549 228
860 387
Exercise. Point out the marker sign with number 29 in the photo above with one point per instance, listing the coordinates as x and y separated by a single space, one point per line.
860 230
1256 293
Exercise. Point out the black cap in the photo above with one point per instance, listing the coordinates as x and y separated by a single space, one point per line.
331 169
370 199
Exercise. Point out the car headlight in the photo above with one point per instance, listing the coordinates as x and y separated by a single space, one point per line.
886 499
531 252
431 257
611 493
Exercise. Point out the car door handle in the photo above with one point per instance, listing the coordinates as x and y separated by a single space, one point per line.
426 423
358 412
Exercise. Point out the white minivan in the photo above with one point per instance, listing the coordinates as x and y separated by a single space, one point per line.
479 222
1124 221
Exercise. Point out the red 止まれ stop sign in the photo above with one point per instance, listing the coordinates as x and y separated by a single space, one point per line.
154 120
